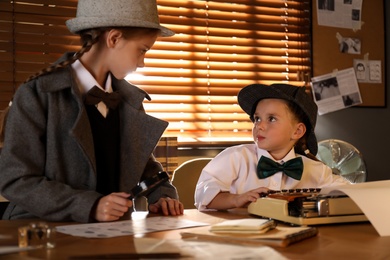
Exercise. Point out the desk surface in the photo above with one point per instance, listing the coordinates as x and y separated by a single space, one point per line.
337 241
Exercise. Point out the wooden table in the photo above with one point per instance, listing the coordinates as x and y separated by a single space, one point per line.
336 241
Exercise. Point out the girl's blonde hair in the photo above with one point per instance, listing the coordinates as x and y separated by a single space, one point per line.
88 38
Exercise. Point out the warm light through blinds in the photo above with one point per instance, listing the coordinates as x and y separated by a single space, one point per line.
220 47
192 77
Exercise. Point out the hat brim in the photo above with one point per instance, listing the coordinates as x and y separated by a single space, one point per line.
76 25
250 95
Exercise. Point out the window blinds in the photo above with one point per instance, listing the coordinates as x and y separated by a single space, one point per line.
33 34
192 77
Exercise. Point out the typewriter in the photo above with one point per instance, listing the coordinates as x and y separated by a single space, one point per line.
306 207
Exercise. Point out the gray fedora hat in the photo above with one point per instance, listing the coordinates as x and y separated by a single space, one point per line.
249 96
116 13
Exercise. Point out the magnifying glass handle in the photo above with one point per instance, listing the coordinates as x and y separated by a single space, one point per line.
148 184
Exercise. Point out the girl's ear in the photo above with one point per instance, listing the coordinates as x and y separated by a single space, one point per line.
299 131
113 36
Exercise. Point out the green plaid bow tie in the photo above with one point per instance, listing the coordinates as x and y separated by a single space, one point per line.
268 167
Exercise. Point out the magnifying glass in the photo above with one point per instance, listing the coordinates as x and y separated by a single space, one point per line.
148 185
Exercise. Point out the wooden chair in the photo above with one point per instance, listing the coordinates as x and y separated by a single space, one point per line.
185 177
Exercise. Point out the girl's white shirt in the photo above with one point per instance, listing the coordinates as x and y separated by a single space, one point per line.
86 81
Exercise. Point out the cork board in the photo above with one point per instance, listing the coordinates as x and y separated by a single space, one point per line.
328 56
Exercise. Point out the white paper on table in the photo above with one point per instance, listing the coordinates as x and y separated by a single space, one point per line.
127 227
372 198
205 250
15 249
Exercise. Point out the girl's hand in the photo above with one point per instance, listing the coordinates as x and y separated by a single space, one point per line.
112 206
167 206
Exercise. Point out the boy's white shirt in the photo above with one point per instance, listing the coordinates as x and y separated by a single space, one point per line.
234 171
86 81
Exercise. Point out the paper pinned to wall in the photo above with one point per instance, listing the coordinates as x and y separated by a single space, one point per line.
368 71
349 45
340 13
372 198
336 91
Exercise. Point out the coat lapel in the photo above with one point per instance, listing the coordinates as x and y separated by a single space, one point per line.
81 130
140 133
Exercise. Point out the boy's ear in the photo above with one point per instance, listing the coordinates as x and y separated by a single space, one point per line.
300 131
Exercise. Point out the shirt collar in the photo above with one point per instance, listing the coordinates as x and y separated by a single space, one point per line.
86 81
290 155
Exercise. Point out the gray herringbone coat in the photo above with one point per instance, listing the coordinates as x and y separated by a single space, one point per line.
47 164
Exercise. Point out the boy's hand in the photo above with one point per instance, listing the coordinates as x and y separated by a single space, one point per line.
242 200
167 206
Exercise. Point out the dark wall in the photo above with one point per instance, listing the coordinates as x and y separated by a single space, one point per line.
368 129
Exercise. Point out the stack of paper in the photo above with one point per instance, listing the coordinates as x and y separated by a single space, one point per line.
244 226
250 232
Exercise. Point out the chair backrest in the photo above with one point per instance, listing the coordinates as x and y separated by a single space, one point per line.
185 178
